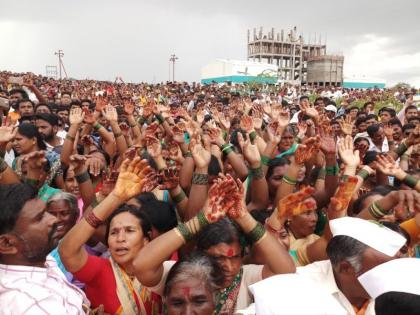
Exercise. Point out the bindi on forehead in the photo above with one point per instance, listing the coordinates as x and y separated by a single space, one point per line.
229 252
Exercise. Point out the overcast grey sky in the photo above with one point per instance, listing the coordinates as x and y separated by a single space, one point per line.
134 39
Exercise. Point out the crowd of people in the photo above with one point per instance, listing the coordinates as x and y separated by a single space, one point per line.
178 198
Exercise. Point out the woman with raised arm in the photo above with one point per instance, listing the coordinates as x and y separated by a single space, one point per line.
221 240
110 282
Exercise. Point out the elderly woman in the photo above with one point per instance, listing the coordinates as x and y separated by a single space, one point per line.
221 239
192 286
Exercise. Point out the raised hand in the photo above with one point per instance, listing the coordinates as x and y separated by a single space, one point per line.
307 109
35 160
7 133
151 130
267 108
178 134
274 132
110 113
283 118
168 178
302 128
76 116
225 196
101 103
296 203
200 155
200 116
257 119
307 149
414 137
148 109
77 162
154 148
342 197
216 136
128 107
345 150
175 153
327 140
388 166
250 151
132 178
346 125
94 165
224 121
247 124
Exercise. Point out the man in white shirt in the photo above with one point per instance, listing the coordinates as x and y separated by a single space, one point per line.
356 247
31 282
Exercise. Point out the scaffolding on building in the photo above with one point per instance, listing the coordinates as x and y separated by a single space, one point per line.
288 51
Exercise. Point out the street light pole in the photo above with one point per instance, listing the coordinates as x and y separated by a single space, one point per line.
60 55
172 59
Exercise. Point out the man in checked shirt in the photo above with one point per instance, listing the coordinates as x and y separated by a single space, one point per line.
30 281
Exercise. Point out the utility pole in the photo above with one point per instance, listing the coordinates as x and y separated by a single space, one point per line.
60 55
173 59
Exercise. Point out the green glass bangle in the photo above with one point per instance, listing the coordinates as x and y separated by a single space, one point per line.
252 136
257 173
344 178
133 125
401 149
178 198
97 126
265 160
410 181
141 121
202 219
256 233
188 154
363 174
227 151
331 170
81 178
184 232
224 135
160 118
289 180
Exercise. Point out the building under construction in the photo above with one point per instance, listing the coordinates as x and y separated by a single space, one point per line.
297 61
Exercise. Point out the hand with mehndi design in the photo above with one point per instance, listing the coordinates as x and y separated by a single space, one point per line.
307 149
168 178
296 203
342 197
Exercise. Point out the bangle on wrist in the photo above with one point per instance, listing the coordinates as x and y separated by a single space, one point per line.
410 181
93 220
363 174
401 148
183 230
179 197
256 233
97 126
391 142
68 137
160 118
289 180
200 179
332 170
141 121
252 136
83 177
376 211
404 157
257 173
202 220
265 160
133 125
188 154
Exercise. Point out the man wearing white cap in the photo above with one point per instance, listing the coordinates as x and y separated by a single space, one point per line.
357 246
395 286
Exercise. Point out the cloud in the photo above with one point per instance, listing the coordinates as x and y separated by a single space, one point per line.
379 56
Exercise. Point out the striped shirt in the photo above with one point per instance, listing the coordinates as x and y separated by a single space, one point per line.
34 290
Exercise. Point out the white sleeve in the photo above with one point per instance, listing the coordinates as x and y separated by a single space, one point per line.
158 289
